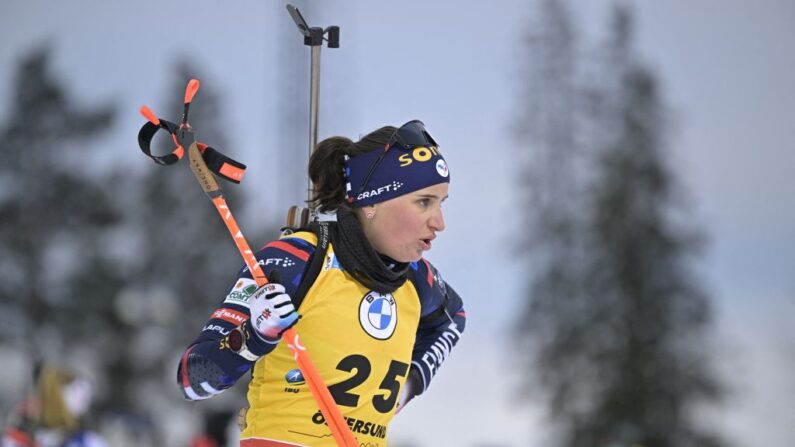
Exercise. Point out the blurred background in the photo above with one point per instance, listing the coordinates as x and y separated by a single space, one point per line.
620 221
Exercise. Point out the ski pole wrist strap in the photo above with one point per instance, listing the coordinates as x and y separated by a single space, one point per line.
218 163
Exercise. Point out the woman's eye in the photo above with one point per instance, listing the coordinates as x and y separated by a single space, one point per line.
424 202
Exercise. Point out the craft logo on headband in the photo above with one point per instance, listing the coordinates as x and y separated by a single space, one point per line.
399 172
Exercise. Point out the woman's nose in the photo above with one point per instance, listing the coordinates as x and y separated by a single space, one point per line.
437 221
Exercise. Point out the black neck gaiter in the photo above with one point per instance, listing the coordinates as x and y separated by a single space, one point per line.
359 258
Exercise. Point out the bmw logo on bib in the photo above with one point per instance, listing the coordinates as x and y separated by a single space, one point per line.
378 315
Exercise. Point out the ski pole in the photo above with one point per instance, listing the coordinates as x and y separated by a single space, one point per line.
184 137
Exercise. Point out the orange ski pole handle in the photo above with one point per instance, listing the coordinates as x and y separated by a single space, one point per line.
190 90
149 115
328 407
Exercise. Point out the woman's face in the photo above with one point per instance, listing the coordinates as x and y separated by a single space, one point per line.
404 227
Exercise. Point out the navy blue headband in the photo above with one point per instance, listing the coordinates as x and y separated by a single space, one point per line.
399 171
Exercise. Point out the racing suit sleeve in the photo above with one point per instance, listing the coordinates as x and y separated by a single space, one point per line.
208 366
442 322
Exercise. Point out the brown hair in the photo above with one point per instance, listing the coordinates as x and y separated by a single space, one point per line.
54 413
327 166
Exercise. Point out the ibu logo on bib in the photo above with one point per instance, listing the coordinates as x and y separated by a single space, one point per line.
378 315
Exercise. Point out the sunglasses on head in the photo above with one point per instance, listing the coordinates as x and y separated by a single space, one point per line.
408 136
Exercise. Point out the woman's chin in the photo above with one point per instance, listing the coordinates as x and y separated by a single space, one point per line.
415 257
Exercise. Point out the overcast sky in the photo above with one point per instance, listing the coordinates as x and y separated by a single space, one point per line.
727 70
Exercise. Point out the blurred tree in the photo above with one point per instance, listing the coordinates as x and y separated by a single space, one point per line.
55 210
551 124
616 320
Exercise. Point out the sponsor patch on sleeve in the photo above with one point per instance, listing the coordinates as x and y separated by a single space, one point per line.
230 316
241 292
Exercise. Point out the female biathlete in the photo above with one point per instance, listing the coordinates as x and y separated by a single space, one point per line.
376 317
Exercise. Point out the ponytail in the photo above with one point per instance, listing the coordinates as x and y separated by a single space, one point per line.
327 166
